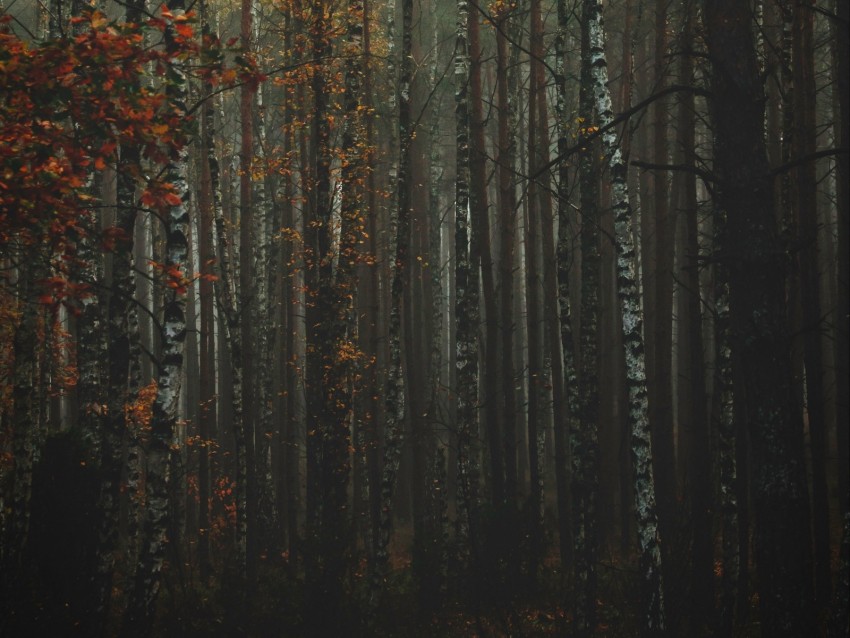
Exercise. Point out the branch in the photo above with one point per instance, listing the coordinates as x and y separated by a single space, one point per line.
805 159
625 115
705 175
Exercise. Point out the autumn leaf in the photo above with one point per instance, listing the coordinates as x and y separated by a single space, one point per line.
172 199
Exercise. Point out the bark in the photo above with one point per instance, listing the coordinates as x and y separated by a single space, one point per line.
562 426
367 442
541 190
693 424
753 252
140 615
652 621
585 437
248 307
395 404
356 154
502 468
26 428
330 296
266 222
118 378
660 383
435 485
805 143
840 619
466 294
841 57
206 252
724 425
225 289
498 408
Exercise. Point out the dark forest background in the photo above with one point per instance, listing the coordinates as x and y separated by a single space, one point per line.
433 318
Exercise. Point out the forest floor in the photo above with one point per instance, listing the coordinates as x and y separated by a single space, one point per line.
491 606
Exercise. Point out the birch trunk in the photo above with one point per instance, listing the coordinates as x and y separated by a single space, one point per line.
652 621
140 615
395 402
585 440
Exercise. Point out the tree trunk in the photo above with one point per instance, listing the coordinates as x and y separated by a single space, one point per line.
140 615
501 467
563 258
753 252
395 403
805 143
498 408
585 439
652 622
841 57
660 397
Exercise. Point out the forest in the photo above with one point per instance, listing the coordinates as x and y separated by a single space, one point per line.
424 318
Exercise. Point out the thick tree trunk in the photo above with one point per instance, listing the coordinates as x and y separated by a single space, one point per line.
753 252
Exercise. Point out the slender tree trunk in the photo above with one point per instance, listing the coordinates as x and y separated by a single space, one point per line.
248 307
501 467
498 408
328 396
805 143
693 423
585 439
26 425
841 59
661 400
466 294
139 618
231 335
395 403
563 258
652 622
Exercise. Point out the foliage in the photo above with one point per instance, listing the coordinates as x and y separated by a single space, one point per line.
69 105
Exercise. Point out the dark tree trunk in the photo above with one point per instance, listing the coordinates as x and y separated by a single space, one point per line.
805 143
753 253
585 440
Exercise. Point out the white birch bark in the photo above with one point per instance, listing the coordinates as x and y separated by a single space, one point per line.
652 622
395 404
140 614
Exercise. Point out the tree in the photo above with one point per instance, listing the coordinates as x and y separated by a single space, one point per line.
140 612
753 253
653 621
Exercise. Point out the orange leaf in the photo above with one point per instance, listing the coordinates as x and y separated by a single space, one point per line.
184 29
172 199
